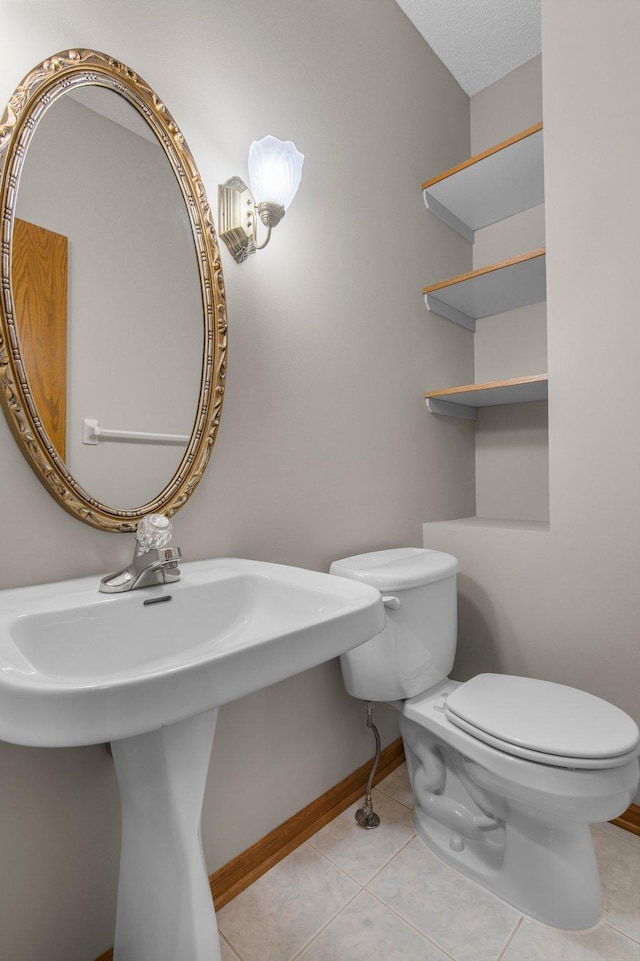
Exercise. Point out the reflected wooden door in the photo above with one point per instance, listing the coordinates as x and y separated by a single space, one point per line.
39 279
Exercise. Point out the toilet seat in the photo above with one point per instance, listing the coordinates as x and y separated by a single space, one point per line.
545 722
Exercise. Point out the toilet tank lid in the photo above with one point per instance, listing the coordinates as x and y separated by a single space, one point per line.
397 569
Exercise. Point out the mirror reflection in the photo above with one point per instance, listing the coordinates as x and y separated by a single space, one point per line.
107 295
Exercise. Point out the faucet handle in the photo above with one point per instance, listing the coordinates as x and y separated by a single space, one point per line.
154 531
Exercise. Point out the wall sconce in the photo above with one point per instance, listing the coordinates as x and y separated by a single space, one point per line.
275 169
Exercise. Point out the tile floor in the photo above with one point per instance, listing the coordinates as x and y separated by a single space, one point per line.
354 895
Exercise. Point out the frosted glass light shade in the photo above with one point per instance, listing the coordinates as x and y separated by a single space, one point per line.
275 169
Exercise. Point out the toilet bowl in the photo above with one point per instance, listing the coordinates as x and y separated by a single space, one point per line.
507 772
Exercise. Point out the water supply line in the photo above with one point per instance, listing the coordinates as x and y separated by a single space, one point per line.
366 816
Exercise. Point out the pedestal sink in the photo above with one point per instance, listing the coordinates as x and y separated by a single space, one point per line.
148 671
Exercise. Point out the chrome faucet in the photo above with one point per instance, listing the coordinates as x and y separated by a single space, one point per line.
152 563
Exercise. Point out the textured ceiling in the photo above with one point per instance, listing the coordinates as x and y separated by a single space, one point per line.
479 41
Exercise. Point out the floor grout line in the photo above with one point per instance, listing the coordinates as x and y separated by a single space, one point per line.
230 946
614 831
410 924
234 951
387 863
621 838
624 934
324 926
375 873
335 864
398 801
509 940
378 787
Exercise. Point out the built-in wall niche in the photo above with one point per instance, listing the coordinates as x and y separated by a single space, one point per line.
503 304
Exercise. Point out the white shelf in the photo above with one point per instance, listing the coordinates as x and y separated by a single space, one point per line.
513 283
464 401
493 185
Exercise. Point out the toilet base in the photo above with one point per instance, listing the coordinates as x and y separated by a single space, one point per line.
551 876
518 827
535 859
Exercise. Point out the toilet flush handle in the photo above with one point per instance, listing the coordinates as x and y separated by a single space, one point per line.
390 601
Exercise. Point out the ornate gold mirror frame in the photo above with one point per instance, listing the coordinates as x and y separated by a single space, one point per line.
40 88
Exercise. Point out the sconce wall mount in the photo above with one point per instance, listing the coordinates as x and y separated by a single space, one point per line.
275 169
237 218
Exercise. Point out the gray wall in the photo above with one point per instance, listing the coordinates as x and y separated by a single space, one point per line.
563 603
325 447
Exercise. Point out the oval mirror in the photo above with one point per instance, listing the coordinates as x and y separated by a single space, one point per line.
112 316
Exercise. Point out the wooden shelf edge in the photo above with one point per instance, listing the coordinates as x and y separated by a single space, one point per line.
471 275
482 156
463 402
490 385
498 525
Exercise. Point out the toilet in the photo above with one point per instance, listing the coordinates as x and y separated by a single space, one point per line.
507 772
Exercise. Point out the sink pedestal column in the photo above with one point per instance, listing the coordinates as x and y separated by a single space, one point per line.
165 911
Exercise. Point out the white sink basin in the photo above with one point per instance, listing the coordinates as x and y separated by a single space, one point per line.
79 667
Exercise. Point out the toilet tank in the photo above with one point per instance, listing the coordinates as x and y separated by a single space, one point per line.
416 649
